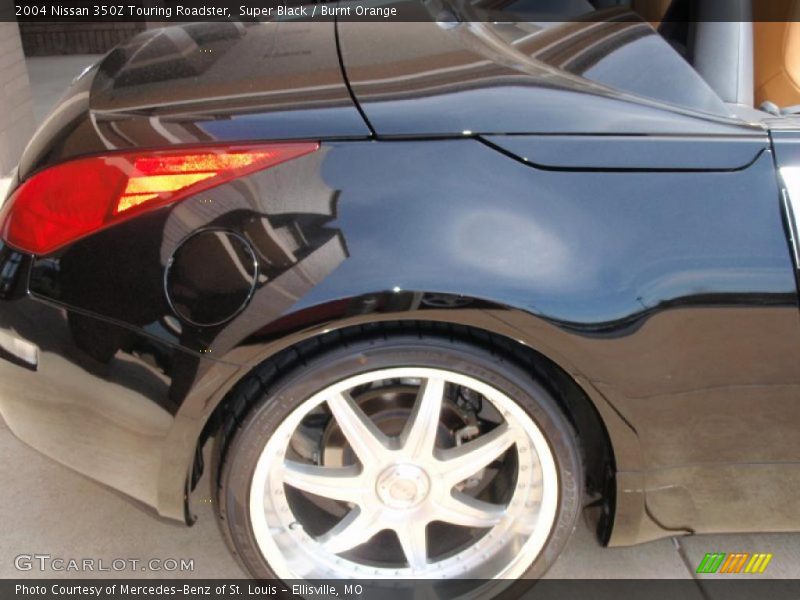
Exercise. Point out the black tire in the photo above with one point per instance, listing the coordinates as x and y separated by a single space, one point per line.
261 404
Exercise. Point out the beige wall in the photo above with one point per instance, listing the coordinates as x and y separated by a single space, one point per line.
16 105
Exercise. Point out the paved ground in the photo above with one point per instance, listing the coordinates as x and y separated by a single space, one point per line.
47 509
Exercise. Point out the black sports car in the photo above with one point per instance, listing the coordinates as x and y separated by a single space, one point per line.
432 288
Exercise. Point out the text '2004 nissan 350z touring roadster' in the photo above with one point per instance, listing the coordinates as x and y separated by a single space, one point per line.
430 290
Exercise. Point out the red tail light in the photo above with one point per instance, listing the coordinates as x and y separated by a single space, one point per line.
69 201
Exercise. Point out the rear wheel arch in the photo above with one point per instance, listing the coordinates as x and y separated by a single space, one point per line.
575 403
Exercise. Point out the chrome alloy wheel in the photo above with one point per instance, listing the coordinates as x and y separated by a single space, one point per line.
496 492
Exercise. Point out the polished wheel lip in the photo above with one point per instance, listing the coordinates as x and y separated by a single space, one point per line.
276 530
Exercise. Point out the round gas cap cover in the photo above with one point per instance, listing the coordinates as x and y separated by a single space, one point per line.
211 276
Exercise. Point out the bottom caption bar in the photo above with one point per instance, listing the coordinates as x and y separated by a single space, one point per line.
555 589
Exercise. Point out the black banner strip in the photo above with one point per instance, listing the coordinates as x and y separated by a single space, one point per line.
178 11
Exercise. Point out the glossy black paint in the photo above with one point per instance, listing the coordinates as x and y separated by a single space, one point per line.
654 272
204 83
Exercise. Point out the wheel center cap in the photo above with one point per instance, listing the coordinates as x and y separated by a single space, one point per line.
403 486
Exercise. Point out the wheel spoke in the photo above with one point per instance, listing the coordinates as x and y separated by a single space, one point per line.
413 539
337 483
367 441
458 463
356 528
419 434
460 509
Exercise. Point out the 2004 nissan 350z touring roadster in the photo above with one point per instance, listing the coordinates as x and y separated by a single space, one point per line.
430 290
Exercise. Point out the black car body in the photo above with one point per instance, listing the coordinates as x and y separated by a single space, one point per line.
576 190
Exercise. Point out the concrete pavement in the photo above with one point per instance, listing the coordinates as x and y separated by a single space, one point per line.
55 511
49 509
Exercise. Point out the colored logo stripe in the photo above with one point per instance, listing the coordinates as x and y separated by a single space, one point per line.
720 562
734 562
758 564
711 562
